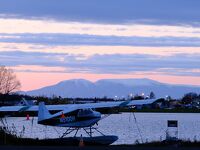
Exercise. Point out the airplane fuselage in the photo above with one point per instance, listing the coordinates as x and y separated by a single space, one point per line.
79 119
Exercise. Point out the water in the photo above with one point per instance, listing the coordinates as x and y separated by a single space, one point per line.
146 128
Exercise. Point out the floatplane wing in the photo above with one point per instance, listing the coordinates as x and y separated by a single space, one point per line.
73 107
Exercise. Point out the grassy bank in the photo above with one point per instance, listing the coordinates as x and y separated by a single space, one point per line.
7 139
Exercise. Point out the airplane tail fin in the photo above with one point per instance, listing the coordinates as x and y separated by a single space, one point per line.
43 112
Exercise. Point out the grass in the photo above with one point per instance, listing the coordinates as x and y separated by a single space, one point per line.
9 139
178 143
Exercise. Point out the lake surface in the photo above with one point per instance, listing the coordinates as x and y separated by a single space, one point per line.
147 127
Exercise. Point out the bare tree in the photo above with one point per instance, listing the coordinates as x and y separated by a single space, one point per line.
8 81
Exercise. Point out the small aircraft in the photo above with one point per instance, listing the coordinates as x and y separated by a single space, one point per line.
73 116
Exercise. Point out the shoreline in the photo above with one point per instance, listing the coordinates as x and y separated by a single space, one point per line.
24 114
116 147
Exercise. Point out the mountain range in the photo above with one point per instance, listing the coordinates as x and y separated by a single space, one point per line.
112 88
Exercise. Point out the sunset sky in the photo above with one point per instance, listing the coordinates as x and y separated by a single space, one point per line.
47 41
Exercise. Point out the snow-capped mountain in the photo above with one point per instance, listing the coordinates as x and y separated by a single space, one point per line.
112 87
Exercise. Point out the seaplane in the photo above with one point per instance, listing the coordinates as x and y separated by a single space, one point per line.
73 116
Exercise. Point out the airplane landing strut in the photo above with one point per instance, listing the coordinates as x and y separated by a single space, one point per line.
88 130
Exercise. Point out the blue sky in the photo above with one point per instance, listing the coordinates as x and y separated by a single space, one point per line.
173 12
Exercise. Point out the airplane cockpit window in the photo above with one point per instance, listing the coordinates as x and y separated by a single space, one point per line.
84 112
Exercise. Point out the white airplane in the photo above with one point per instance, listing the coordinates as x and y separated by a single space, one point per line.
72 116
